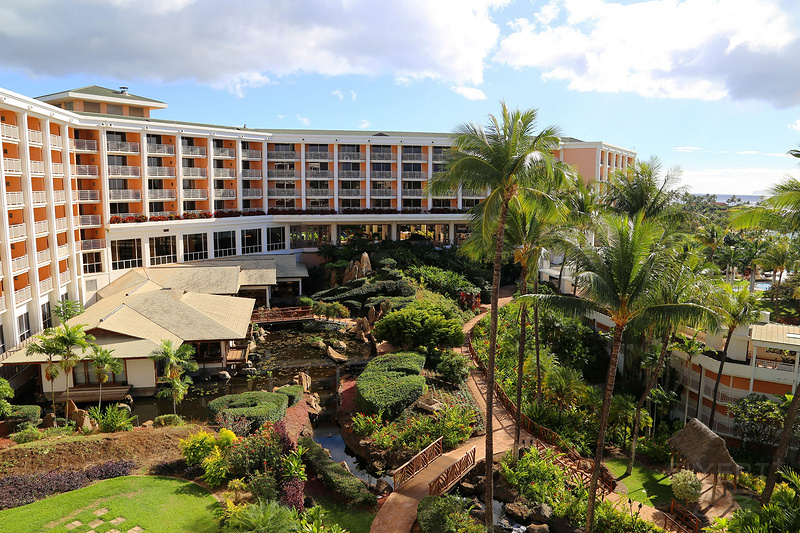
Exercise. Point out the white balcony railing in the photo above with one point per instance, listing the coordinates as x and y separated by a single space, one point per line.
125 147
2 303
382 156
163 213
284 192
22 295
12 165
87 220
61 224
251 173
168 172
193 151
124 170
43 257
63 251
351 156
351 175
383 175
155 194
59 197
224 193
225 152
19 264
200 194
37 167
93 244
9 132
17 231
125 194
39 197
63 277
282 173
251 154
327 174
283 155
251 193
15 199
86 196
55 141
382 193
85 170
414 157
352 193
412 193
41 227
414 175
35 137
198 172
45 285
224 173
318 193
316 156
58 169
84 145
167 149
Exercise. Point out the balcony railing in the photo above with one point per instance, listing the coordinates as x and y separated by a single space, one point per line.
55 141
125 194
193 151
61 224
224 173
382 156
251 173
414 175
43 257
2 303
198 172
37 167
412 193
224 193
351 156
163 213
287 155
200 194
85 170
86 196
318 156
352 193
59 197
58 169
415 157
34 137
251 193
383 175
382 193
12 165
39 197
161 171
443 156
87 220
9 132
41 227
63 277
120 146
351 175
63 251
775 365
282 173
19 264
154 148
17 231
22 295
93 244
467 193
251 154
284 192
15 199
327 174
225 152
124 170
156 194
84 145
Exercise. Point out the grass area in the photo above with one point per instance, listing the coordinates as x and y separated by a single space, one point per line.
352 519
150 502
747 503
644 484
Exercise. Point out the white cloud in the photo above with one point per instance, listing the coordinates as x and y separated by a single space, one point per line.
699 49
249 42
281 117
686 149
795 125
353 95
470 93
734 180
364 124
305 121
338 94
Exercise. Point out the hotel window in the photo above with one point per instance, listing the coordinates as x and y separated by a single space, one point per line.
441 203
92 262
319 203
317 148
413 203
350 203
47 316
438 167
412 167
195 247
283 147
284 203
84 374
381 203
24 324
224 243
412 150
468 203
2 340
276 239
251 241
162 250
112 109
126 253
284 166
91 107
136 111
119 209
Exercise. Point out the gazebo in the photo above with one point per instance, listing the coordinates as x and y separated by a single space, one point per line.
704 451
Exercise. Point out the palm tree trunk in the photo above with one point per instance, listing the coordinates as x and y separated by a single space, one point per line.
601 437
537 344
783 447
490 362
753 279
561 272
650 384
100 395
719 378
523 314
776 297
174 406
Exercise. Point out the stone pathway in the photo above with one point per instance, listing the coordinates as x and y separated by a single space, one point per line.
99 521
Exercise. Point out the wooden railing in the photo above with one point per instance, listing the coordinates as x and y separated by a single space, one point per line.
582 465
282 314
452 474
402 474
688 520
670 524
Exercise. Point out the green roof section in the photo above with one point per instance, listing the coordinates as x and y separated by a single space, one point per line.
104 92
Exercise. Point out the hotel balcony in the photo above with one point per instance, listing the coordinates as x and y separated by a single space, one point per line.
45 285
193 151
352 193
285 193
251 173
35 137
325 174
122 147
36 167
63 251
319 156
195 172
58 169
61 225
92 244
382 156
442 157
167 172
85 170
2 303
40 228
382 193
383 175
55 141
251 154
225 153
63 277
131 195
319 193
224 193
39 198
14 199
19 265
163 213
282 173
468 193
224 173
450 195
195 194
17 232
43 257
251 193
23 295
124 170
162 194
412 193
86 196
352 175
59 197
166 149
86 220
415 157
414 175
351 156
12 166
9 132
287 155
83 145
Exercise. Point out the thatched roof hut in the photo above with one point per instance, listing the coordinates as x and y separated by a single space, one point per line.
703 450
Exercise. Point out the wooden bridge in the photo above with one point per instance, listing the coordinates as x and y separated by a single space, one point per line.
281 314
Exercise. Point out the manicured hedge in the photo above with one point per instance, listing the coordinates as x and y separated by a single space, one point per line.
335 476
361 292
256 407
294 392
167 420
28 413
443 281
420 327
390 383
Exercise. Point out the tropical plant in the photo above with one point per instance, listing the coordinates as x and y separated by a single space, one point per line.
781 514
504 157
686 486
105 364
5 392
43 345
644 188
175 361
263 517
67 309
565 387
112 419
783 446
175 389
780 257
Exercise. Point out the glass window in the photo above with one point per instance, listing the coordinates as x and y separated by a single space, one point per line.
251 241
47 316
136 111
91 107
224 243
195 247
162 250
92 262
112 109
276 239
126 253
24 324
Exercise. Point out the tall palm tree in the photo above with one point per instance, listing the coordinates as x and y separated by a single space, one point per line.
69 338
105 364
565 387
506 156
753 257
43 345
712 237
176 389
735 308
583 210
175 361
620 278
780 257
645 188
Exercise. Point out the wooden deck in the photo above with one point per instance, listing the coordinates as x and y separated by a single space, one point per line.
111 393
282 314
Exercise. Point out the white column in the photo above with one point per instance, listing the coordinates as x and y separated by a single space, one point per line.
103 166
753 367
452 233
430 173
210 171
237 234
52 239
179 174
368 180
144 173
394 231
239 202
210 237
302 175
287 230
8 279
179 248
30 240
336 177
77 264
146 251
399 183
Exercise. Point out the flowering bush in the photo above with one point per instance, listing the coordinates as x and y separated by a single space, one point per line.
197 447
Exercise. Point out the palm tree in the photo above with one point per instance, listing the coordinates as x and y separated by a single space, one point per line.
44 345
753 257
505 157
565 387
68 338
780 257
583 209
175 361
104 364
621 415
712 237
176 390
735 308
643 188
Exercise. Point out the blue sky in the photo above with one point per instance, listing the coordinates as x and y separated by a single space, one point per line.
709 85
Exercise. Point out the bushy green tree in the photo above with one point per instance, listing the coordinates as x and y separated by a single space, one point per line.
6 392
686 486
419 328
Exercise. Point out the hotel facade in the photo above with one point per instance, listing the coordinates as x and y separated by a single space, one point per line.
93 186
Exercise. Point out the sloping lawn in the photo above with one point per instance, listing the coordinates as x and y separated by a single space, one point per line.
353 519
643 483
149 502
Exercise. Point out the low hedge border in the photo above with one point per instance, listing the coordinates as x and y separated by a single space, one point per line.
390 383
256 407
335 477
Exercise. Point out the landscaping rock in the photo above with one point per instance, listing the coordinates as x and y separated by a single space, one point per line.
504 493
304 380
223 375
344 465
124 406
70 408
81 419
372 315
382 487
468 489
49 420
519 512
538 528
319 345
562 525
429 405
335 356
339 345
541 513
148 424
478 514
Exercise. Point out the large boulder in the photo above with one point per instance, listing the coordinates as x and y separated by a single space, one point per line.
366 264
335 356
81 418
303 380
70 408
49 420
382 487
538 528
541 513
339 345
519 513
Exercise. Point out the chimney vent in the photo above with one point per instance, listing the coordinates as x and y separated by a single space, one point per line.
123 90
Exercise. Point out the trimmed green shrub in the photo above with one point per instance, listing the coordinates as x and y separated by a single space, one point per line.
445 514
335 477
255 407
197 446
390 383
27 413
305 301
5 392
420 327
167 420
26 435
294 392
215 468
443 281
453 367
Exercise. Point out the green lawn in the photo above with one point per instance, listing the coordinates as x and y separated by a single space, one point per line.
644 484
153 503
352 519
